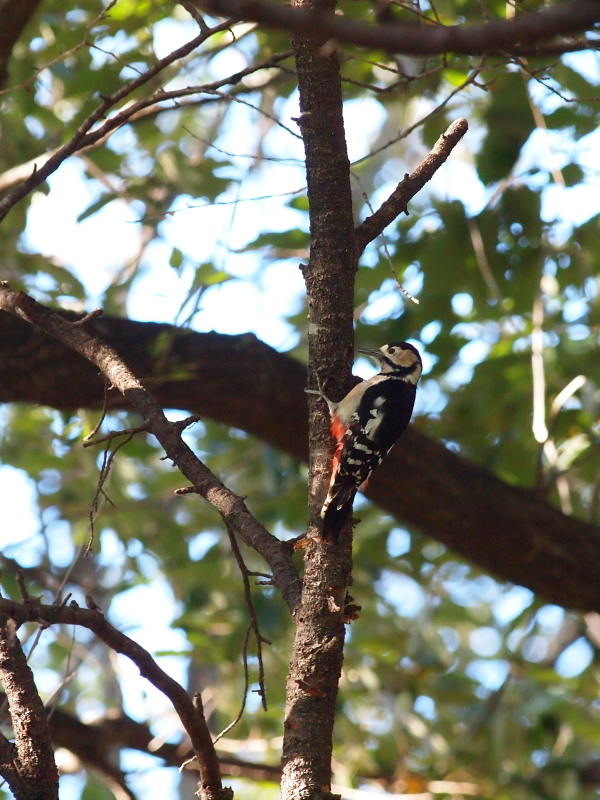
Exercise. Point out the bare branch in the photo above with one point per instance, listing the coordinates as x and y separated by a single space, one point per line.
253 626
397 202
527 540
83 137
240 713
94 620
231 507
523 35
95 745
195 13
31 772
131 114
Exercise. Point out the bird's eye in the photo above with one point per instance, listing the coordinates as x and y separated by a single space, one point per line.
391 350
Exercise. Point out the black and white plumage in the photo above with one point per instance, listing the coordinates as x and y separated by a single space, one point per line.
367 422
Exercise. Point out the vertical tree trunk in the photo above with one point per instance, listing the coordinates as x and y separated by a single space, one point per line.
319 636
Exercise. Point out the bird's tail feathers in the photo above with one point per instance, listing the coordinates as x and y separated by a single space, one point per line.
337 508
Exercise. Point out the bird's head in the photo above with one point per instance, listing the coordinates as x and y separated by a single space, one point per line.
398 359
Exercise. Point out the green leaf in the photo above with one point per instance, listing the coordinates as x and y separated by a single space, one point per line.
509 122
176 259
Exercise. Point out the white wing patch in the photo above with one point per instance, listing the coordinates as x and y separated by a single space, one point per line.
376 418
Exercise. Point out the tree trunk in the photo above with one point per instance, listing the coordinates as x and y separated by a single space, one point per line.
319 635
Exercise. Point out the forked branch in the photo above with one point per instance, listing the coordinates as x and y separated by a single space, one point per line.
93 619
169 434
89 132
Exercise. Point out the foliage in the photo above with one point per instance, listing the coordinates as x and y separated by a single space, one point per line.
450 676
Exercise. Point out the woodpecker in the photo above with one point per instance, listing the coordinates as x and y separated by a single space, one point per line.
366 423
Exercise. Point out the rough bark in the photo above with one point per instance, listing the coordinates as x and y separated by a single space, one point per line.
317 651
511 532
28 765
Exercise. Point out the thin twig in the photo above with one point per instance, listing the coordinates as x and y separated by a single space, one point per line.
538 424
195 13
237 201
385 250
470 79
107 462
482 260
240 713
271 117
87 440
82 135
22 588
258 637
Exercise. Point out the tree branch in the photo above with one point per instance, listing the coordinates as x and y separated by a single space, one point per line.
96 745
84 135
231 507
525 540
397 202
523 35
135 113
31 772
93 619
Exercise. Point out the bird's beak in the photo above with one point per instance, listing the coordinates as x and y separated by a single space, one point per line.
376 354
